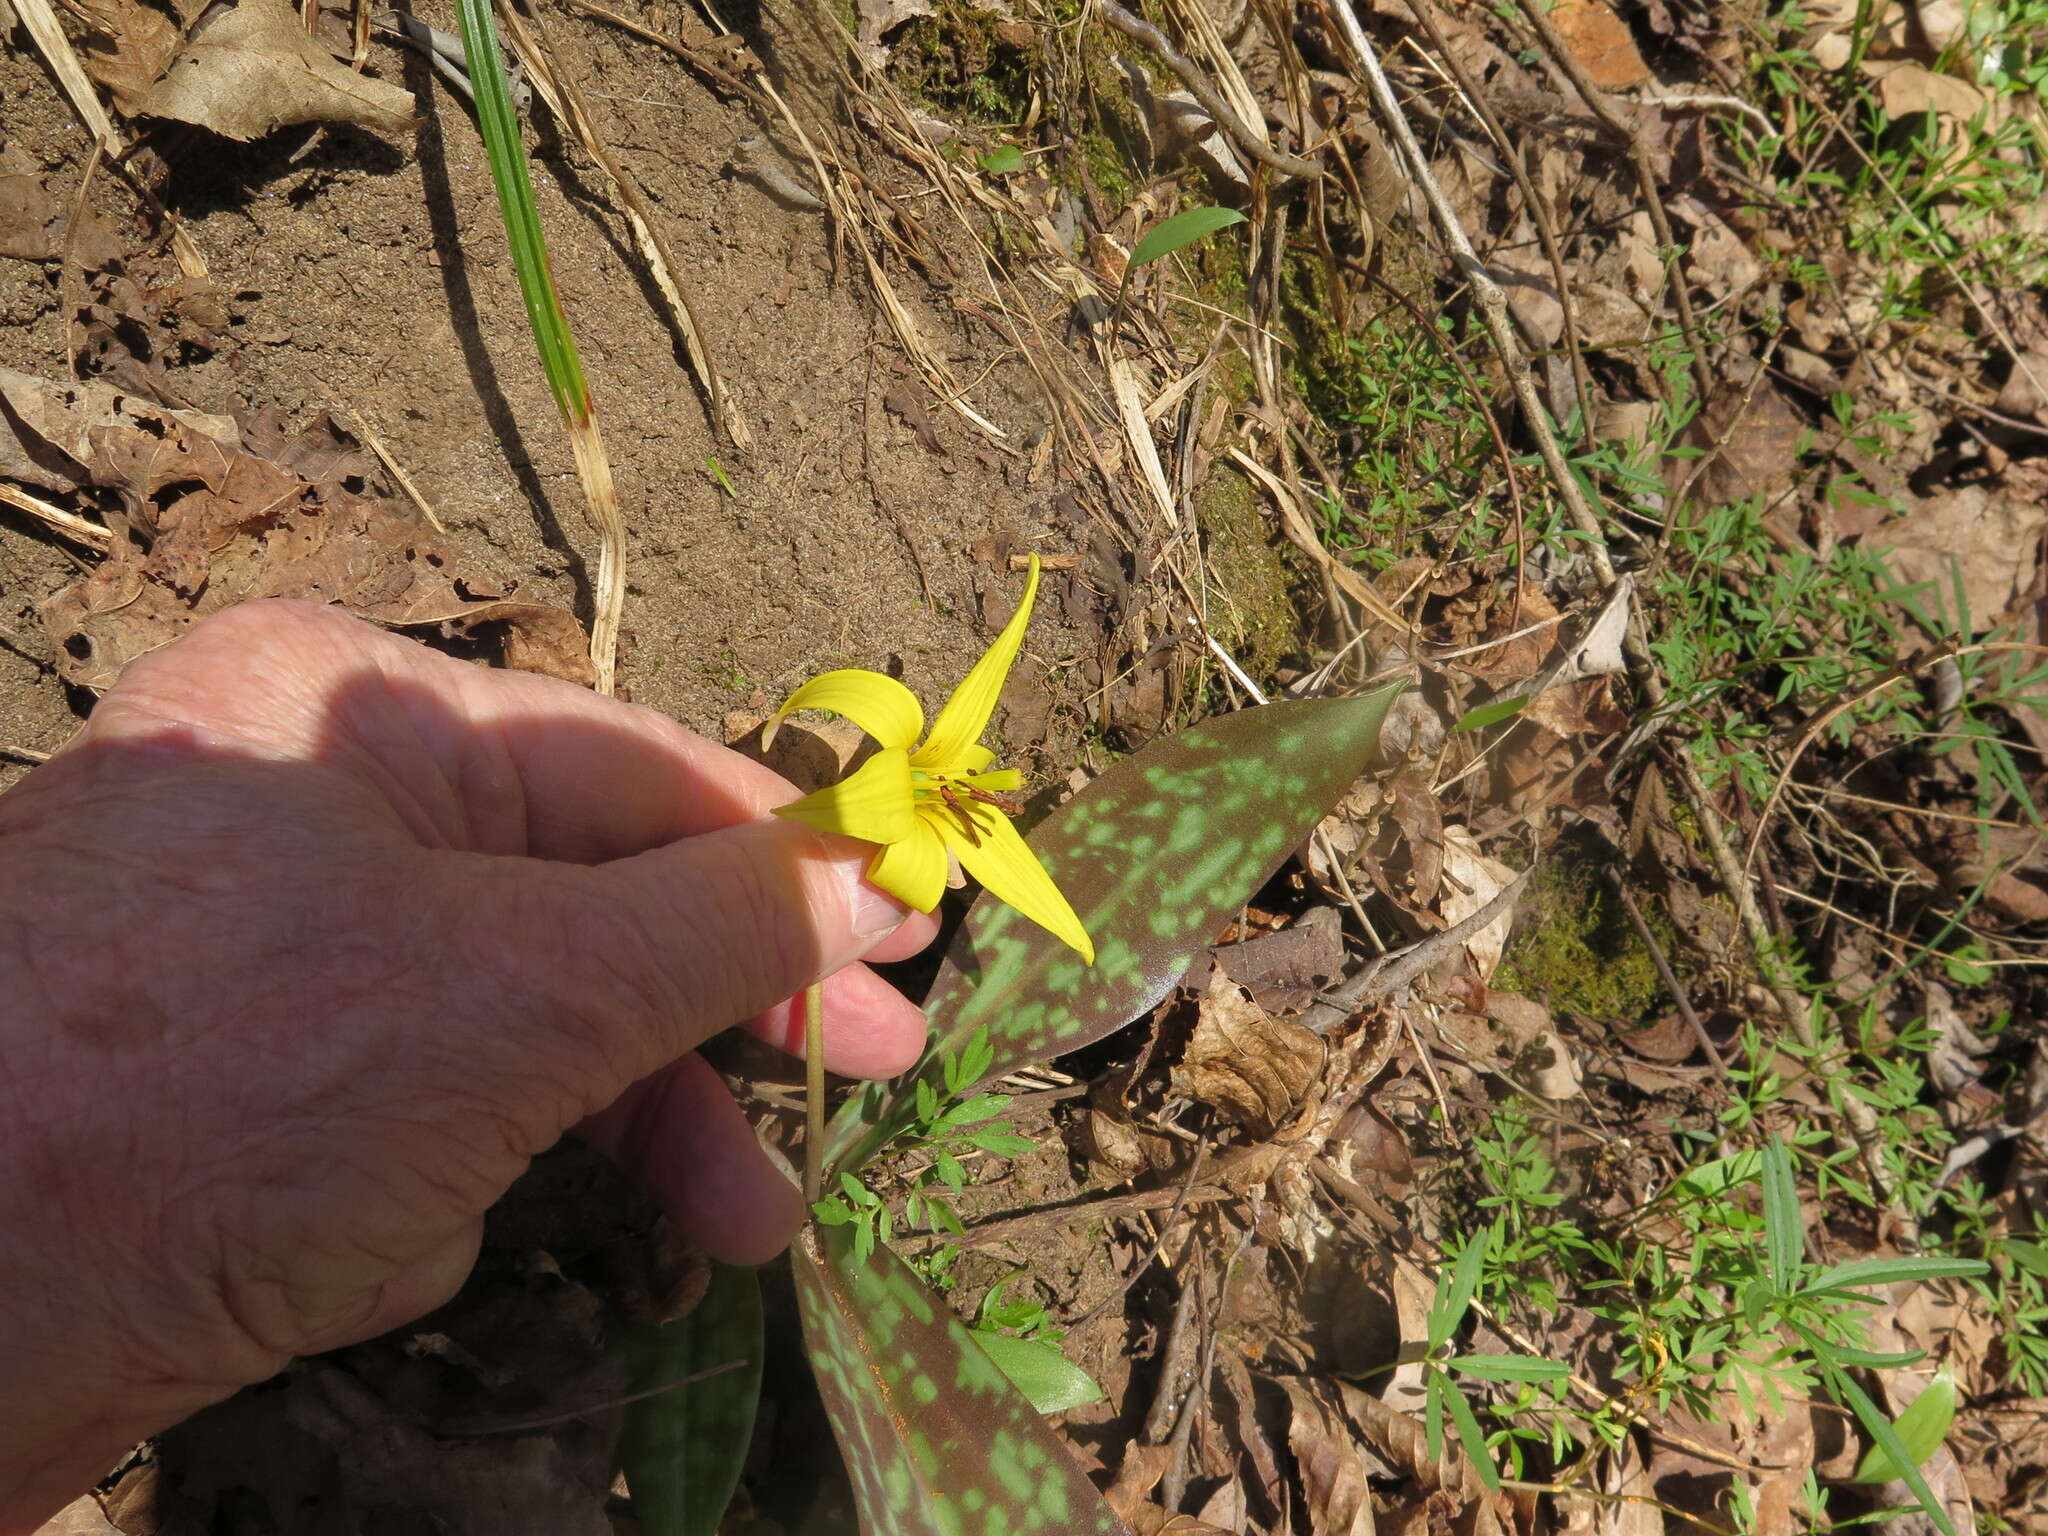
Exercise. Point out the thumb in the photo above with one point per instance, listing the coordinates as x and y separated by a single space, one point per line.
645 957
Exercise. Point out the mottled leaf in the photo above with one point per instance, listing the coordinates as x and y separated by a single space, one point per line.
1155 855
682 1449
936 1440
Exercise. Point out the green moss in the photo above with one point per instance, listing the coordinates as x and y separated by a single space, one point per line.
1256 618
1583 955
963 60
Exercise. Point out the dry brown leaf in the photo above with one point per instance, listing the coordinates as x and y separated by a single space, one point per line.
878 18
1907 88
1778 1447
1420 817
209 523
252 69
81 1517
31 219
1601 41
1250 1065
128 45
1754 437
1284 971
48 429
1471 880
1991 539
1332 1470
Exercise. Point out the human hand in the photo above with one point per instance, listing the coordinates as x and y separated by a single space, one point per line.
309 941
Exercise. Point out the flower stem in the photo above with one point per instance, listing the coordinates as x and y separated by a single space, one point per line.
814 1092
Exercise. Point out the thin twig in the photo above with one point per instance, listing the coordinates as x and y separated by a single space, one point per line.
94 537
814 1092
476 1427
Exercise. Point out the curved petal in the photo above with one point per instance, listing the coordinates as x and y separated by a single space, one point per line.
913 869
965 716
1010 871
873 803
879 705
973 759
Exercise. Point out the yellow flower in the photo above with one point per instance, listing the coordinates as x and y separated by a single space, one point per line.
924 803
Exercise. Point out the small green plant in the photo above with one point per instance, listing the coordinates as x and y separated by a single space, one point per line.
1182 229
945 1128
1721 1305
1441 1370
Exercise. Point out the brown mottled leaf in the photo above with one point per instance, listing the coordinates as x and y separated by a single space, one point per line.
935 1438
1332 1466
1154 855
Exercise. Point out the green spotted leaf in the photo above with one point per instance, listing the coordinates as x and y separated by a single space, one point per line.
682 1449
1155 856
936 1440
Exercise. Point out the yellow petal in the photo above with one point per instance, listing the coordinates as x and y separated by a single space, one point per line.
1004 781
965 716
873 803
1009 871
974 759
912 870
879 705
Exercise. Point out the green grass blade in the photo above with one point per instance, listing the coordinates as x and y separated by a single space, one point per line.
499 124
1879 1428
1455 1290
1782 1225
1862 1273
1470 1436
1919 1431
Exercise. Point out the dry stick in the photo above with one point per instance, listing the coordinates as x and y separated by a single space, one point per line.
565 100
1191 76
1798 1010
94 537
1646 182
375 444
1539 216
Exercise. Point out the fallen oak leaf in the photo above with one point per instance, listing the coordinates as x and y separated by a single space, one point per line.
252 69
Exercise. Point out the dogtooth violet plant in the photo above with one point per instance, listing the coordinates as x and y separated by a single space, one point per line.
1080 929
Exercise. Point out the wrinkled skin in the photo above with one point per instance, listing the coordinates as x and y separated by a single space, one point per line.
309 942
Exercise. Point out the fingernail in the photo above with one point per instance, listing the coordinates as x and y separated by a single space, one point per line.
872 914
875 916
